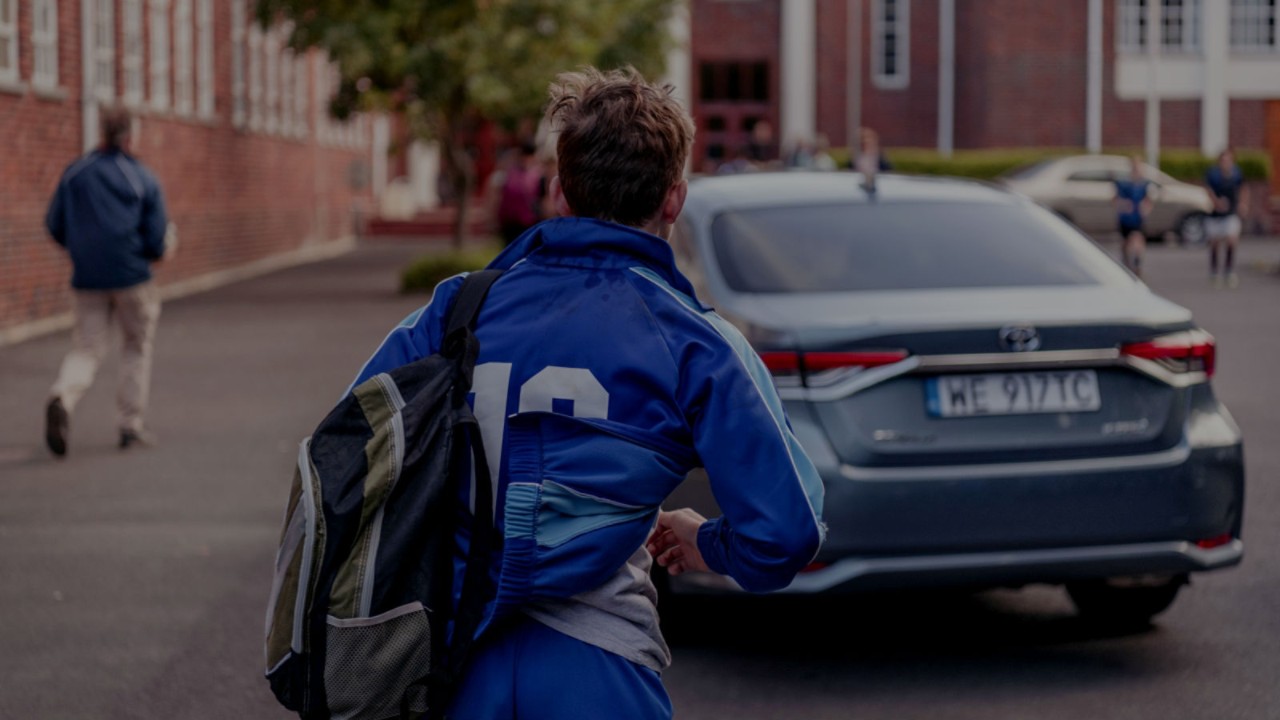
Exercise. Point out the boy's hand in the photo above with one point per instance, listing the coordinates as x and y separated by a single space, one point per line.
674 542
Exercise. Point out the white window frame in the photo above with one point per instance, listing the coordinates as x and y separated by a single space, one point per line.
286 91
9 31
204 58
239 91
160 72
255 76
1251 23
44 44
900 78
1131 26
1187 14
183 55
104 35
271 56
131 52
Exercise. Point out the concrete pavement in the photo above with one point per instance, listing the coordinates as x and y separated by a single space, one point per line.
135 584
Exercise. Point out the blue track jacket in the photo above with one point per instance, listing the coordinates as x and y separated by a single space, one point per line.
109 214
601 382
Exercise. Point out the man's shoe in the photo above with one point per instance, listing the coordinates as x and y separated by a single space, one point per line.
57 424
130 438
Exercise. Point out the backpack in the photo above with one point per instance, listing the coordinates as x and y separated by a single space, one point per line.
363 587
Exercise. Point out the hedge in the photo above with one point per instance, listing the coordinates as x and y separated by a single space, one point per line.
426 272
1186 165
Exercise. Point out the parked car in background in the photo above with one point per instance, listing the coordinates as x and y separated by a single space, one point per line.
1082 190
990 399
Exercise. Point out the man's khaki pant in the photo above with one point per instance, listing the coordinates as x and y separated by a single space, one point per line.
137 309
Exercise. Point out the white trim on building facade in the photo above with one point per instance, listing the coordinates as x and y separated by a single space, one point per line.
44 44
158 25
104 55
9 41
131 52
183 55
204 58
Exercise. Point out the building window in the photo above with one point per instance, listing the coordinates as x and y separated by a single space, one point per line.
1253 25
734 81
9 41
159 27
1180 25
255 76
104 34
204 60
891 43
271 56
131 51
182 80
44 43
239 109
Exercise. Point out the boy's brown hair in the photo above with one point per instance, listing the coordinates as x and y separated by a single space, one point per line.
623 143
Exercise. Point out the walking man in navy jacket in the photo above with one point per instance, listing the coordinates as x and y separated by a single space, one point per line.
109 215
602 380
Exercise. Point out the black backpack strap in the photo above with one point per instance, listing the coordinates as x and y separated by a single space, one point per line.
468 301
460 344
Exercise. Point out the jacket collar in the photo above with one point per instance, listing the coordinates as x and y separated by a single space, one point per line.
587 242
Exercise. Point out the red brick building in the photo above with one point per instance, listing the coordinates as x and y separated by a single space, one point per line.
254 171
989 73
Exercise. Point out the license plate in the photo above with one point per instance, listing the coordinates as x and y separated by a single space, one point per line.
1018 393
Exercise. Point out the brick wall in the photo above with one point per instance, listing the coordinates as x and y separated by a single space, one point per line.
1020 73
236 196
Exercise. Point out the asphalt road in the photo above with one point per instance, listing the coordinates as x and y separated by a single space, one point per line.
132 585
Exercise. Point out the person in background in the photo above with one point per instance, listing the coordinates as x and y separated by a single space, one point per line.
518 204
870 158
1222 227
108 212
546 203
1133 204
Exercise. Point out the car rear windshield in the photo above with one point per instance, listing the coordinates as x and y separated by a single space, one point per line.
904 246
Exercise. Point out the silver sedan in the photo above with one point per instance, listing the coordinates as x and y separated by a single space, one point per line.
991 400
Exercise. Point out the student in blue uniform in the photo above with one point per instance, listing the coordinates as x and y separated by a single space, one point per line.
1133 204
602 380
1222 227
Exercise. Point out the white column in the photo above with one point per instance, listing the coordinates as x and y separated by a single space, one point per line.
1214 105
679 66
946 76
1153 83
89 75
1093 87
799 77
381 146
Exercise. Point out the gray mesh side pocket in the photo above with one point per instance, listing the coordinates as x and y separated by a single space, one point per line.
370 661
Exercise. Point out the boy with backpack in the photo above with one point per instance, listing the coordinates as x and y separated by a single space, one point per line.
600 382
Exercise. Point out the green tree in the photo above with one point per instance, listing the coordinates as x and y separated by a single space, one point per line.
448 64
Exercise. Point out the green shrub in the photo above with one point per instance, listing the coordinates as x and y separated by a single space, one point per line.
1186 165
426 272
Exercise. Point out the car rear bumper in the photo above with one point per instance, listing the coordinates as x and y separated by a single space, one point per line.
992 569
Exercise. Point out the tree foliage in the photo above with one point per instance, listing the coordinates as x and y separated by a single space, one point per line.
446 64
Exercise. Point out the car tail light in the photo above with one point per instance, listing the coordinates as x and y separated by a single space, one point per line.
797 367
1213 542
1180 352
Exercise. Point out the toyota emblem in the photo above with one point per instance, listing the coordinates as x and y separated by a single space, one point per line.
1020 338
